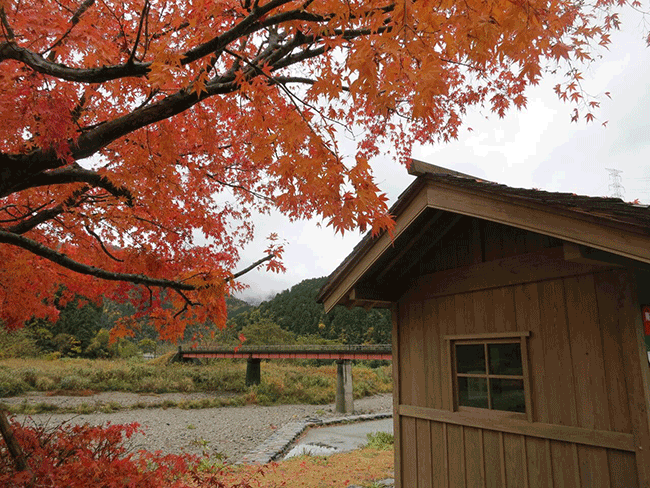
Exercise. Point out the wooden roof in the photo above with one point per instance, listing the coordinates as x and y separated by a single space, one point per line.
438 198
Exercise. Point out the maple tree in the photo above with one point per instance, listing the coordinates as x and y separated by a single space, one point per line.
138 136
133 130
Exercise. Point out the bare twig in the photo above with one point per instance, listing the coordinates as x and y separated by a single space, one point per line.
143 16
99 240
42 216
74 20
239 187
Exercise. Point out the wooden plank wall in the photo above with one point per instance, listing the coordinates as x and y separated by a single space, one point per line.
474 241
577 363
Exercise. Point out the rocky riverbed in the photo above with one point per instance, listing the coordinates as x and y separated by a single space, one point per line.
229 431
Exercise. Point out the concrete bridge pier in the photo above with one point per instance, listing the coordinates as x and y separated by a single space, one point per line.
253 374
344 396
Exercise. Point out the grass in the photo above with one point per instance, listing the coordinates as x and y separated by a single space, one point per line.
363 467
381 441
286 382
86 408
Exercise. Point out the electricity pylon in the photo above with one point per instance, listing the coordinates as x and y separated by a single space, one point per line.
615 187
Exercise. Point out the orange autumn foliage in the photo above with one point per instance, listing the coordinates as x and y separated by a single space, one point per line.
131 128
79 456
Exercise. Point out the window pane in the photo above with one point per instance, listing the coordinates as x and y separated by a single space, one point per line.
472 392
505 359
470 359
508 395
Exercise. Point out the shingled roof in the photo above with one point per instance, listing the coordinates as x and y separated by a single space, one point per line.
612 213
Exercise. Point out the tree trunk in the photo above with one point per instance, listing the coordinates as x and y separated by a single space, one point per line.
12 444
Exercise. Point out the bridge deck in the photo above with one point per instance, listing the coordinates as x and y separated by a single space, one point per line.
361 352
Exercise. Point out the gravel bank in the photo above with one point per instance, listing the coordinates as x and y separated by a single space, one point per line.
230 431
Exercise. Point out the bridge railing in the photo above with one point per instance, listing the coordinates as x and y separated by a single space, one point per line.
296 349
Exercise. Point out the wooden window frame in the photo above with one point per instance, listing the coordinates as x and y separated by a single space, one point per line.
490 338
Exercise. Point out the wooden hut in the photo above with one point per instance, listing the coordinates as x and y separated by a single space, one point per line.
518 340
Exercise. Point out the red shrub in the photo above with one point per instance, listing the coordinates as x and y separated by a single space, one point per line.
87 456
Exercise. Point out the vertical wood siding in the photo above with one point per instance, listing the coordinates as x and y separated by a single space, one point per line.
474 241
577 359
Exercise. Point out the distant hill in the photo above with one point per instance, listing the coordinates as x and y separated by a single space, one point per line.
236 306
296 310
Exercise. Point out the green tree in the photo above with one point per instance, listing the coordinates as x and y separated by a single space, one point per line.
296 310
148 346
263 330
99 346
67 344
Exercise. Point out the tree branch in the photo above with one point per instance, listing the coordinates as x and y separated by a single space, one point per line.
37 62
268 257
250 24
143 16
28 211
63 260
77 174
9 33
239 187
188 303
74 20
47 214
101 243
16 170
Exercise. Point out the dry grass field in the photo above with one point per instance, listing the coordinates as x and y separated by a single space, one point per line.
283 382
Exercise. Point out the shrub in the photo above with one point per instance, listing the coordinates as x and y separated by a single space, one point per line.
148 346
74 382
82 456
17 344
124 348
185 384
67 344
29 376
44 383
11 384
99 345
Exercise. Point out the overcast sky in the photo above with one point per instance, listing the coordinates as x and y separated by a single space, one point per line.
535 148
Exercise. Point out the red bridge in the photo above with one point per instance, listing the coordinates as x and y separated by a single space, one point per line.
340 353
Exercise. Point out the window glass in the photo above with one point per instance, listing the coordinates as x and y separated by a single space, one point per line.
507 395
470 359
489 373
472 392
505 359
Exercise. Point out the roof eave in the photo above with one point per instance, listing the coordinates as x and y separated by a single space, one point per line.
571 225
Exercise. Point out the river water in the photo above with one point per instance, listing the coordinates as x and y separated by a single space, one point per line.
323 441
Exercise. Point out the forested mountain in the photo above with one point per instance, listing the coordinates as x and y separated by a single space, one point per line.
295 310
292 316
236 306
